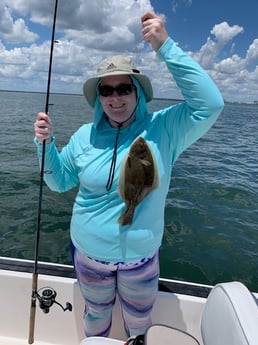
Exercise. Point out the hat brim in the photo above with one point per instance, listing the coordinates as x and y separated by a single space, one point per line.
90 86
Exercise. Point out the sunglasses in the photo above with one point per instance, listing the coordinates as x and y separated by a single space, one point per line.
121 90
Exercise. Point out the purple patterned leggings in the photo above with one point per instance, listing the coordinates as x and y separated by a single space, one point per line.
136 285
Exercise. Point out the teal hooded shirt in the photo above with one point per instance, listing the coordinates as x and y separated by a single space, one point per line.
85 161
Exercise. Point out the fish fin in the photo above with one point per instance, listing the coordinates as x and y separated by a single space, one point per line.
126 218
129 161
144 193
121 182
145 162
156 181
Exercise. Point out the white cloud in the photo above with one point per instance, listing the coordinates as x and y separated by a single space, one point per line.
225 33
252 52
230 65
13 31
230 73
210 51
91 30
112 27
175 4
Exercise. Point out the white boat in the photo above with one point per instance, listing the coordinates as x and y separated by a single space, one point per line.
180 305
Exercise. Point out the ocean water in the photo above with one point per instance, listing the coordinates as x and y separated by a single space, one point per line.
211 215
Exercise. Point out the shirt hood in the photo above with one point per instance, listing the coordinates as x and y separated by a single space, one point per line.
141 108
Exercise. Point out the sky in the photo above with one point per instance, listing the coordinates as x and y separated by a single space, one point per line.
221 35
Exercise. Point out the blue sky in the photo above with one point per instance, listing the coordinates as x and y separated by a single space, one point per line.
193 20
221 35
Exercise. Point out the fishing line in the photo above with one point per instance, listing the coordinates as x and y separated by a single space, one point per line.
34 294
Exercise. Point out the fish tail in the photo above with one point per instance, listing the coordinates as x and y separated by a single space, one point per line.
127 217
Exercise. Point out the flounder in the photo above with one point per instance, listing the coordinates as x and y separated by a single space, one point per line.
138 177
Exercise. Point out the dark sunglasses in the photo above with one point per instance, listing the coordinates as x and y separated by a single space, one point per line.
122 90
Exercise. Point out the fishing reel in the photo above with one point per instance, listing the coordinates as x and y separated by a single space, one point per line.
47 297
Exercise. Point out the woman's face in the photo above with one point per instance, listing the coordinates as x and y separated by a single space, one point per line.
118 108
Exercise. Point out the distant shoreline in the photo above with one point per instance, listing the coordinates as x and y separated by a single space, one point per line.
78 94
155 98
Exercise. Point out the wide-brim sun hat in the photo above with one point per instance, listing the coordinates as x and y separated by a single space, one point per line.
116 65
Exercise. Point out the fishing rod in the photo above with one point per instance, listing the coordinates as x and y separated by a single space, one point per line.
45 296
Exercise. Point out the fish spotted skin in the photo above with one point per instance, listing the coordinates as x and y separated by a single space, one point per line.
138 177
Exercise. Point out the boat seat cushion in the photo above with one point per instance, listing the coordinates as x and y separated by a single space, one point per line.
101 341
230 316
155 335
165 335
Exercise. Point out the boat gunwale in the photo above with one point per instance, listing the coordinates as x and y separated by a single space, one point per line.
67 271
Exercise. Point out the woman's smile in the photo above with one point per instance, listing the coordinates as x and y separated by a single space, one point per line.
118 107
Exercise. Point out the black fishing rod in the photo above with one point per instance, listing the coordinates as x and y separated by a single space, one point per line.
46 297
34 292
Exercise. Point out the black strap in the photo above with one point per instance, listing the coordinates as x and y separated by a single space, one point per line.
113 163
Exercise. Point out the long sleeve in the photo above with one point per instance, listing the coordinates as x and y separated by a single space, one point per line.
59 169
203 101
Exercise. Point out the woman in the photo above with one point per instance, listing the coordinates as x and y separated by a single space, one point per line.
109 257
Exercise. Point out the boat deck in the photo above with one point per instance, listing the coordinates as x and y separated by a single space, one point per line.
66 328
16 341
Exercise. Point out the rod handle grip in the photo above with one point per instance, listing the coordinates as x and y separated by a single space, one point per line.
33 308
